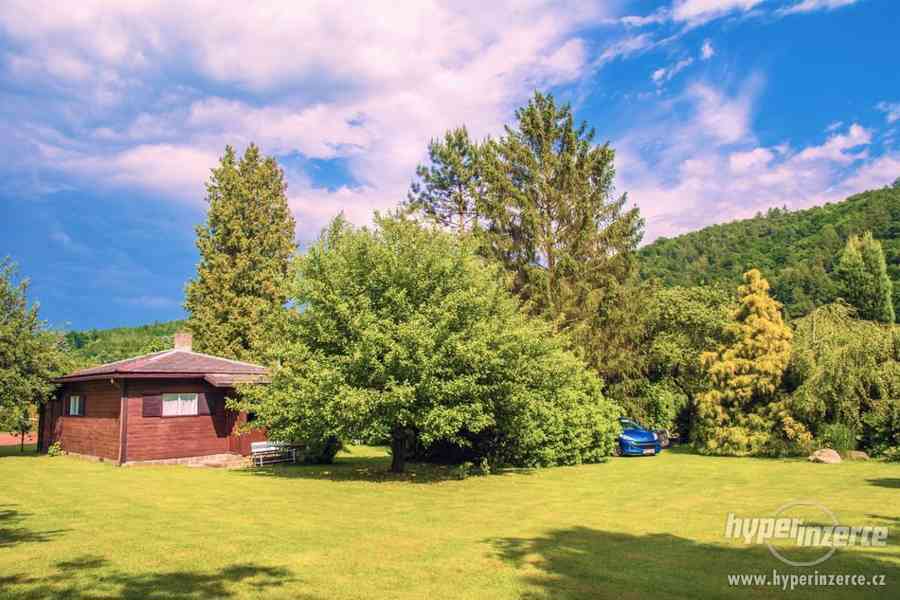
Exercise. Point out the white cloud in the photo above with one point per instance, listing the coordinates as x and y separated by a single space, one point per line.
693 13
707 166
660 15
806 6
149 93
722 118
891 110
662 75
837 148
625 48
701 11
178 171
743 162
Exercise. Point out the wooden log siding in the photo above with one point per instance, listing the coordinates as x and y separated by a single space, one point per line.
147 434
97 432
241 443
158 437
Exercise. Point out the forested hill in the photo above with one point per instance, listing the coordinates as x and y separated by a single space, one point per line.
97 346
796 251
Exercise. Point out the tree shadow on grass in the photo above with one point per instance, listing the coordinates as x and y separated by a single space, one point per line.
373 469
583 563
90 577
13 533
888 482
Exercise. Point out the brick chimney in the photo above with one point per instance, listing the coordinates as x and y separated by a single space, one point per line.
184 340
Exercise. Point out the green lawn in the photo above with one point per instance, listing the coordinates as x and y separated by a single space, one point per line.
630 528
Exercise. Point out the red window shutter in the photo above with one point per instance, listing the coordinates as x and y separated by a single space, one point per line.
152 405
82 406
66 403
203 401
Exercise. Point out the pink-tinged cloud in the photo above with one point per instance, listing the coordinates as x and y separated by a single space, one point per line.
710 167
371 85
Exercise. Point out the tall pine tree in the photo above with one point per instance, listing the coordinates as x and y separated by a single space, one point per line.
245 248
865 283
450 189
552 218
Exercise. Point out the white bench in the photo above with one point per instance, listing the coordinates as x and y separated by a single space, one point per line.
267 453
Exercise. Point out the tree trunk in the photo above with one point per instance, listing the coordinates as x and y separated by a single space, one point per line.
398 451
21 442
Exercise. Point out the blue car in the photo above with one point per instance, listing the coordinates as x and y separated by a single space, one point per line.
637 441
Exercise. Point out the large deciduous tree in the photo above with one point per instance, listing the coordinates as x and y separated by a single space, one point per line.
682 324
245 248
865 284
29 355
406 334
741 413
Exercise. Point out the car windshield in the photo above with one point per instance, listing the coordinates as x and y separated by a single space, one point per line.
629 424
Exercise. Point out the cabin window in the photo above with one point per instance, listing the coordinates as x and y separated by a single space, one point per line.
179 405
76 406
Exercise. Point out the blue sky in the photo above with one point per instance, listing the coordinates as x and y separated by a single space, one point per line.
111 117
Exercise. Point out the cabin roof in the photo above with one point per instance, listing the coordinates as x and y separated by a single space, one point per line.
178 363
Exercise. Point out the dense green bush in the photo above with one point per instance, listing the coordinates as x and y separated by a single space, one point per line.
658 407
405 333
682 323
881 426
55 449
838 437
844 370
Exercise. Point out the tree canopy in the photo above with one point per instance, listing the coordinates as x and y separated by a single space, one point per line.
245 247
540 200
863 280
29 354
845 370
735 415
97 346
798 250
450 189
406 334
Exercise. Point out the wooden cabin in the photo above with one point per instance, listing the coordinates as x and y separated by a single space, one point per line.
167 406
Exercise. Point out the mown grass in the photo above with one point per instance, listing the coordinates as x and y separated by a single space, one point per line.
630 528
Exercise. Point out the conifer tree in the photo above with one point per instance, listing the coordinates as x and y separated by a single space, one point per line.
450 189
865 284
553 219
738 414
245 248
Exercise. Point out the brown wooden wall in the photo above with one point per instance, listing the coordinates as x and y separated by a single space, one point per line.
148 438
154 438
97 432
240 444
